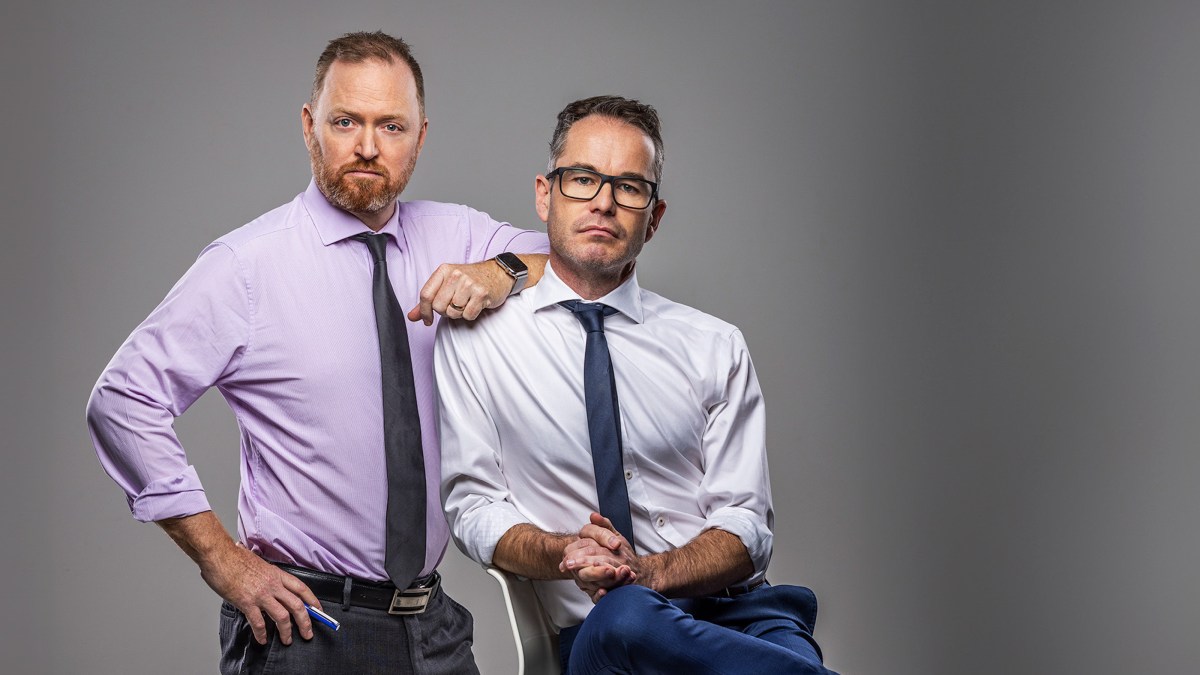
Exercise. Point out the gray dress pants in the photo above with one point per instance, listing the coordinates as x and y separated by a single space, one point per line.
370 641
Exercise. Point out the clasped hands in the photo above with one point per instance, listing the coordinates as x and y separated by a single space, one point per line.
601 559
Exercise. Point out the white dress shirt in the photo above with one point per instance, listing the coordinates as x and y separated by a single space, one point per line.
515 445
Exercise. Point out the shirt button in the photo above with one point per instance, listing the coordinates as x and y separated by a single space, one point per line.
628 475
661 521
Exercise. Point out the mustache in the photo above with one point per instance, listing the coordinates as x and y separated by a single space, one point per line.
364 166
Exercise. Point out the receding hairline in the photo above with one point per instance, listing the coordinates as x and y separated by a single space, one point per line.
639 115
617 121
362 47
346 62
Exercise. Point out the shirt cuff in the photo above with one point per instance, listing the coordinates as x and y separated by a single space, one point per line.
487 525
174 497
750 528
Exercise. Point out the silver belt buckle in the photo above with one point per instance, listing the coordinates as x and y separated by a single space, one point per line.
413 600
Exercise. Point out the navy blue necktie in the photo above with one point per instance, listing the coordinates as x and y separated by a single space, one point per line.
603 415
404 547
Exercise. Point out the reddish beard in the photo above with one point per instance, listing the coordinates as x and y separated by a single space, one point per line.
358 194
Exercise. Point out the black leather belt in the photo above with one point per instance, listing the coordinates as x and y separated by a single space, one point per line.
383 595
734 591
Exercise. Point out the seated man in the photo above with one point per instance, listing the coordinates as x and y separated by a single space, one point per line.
610 443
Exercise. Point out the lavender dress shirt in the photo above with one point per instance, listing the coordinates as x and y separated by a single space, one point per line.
278 316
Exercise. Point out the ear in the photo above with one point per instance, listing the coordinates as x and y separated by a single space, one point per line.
421 138
656 216
306 124
541 197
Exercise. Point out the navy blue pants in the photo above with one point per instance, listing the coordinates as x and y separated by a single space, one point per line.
636 630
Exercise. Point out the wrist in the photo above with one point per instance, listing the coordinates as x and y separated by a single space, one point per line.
514 269
649 571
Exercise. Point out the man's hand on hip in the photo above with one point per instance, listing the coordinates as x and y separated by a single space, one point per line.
256 587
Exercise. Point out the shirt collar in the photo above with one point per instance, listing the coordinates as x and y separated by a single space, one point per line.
551 290
334 224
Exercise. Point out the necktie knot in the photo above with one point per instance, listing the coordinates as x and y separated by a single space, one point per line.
376 243
590 314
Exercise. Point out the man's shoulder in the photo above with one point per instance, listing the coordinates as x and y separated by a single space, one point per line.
424 212
494 326
666 314
256 234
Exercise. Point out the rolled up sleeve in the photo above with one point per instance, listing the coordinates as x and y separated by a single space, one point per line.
735 493
474 493
189 342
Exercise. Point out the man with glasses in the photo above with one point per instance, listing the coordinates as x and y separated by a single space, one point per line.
609 443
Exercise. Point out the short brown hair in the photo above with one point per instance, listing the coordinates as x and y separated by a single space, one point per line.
363 46
633 112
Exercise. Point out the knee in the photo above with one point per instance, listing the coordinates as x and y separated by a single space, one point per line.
626 615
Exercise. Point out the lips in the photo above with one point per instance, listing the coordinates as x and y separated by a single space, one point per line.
359 171
598 230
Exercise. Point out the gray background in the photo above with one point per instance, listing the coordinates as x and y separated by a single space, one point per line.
960 239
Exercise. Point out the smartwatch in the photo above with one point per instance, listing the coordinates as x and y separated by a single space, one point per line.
513 267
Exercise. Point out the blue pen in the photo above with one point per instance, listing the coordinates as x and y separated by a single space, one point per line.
323 617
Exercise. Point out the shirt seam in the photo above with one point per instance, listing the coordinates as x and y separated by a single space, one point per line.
251 307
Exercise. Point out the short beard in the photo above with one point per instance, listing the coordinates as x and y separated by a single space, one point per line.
358 195
593 270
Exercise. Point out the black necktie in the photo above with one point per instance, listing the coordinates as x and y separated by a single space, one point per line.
603 415
404 550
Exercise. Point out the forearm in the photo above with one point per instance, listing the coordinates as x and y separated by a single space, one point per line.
201 536
710 562
531 552
136 445
536 262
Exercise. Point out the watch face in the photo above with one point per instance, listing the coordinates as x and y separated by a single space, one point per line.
511 263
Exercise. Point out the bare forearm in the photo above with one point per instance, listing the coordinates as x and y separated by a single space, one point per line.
713 560
201 536
531 552
536 262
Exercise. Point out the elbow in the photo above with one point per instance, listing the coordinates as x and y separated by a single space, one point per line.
100 405
97 407
104 413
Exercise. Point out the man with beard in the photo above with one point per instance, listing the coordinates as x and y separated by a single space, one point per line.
295 318
634 475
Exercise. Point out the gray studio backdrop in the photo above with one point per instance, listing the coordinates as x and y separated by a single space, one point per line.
960 239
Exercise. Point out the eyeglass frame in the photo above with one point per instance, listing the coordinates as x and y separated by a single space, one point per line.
604 178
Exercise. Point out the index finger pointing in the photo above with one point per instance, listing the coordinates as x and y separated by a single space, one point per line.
424 310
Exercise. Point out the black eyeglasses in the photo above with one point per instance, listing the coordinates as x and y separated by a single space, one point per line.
576 183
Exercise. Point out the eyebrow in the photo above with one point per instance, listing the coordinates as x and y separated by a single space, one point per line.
593 169
390 117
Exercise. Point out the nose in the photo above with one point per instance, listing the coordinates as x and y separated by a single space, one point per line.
366 148
603 202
